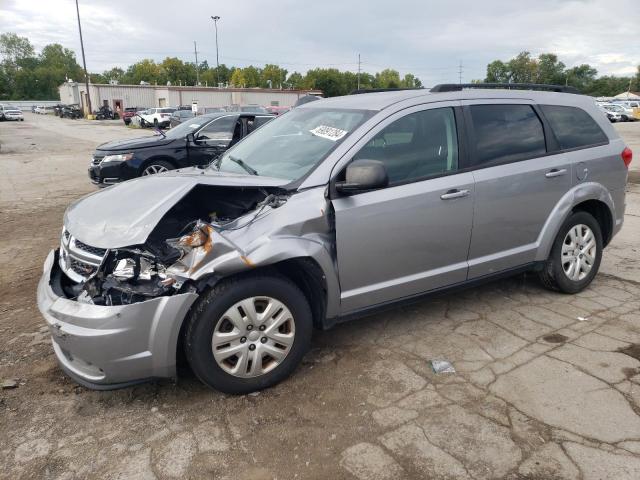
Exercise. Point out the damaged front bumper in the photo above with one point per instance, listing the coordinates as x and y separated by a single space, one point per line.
107 347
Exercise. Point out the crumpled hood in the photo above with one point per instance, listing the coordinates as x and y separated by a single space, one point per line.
125 214
133 143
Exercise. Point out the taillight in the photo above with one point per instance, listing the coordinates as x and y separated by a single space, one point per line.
627 155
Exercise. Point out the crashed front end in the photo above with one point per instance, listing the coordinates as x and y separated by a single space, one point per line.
115 313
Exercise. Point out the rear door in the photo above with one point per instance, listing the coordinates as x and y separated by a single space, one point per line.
518 183
412 236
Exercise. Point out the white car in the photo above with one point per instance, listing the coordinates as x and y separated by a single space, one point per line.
612 115
626 114
12 113
156 117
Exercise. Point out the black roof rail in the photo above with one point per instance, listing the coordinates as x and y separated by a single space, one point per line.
376 90
456 87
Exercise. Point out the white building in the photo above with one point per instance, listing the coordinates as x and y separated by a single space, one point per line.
119 97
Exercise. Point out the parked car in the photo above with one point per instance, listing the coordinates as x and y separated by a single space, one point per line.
246 108
130 112
156 117
338 209
278 110
611 115
180 116
71 111
206 110
9 112
625 114
195 142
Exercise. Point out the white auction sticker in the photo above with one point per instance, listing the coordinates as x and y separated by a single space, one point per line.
330 133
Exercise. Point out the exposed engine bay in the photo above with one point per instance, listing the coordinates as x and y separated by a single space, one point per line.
176 247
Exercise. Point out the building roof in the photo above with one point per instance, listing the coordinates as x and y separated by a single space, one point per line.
628 96
200 88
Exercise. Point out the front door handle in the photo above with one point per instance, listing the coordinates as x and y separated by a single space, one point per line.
555 173
455 193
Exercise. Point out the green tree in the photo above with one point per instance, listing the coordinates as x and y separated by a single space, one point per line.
581 76
115 73
411 81
14 48
252 76
522 69
143 71
388 78
273 76
329 80
549 69
237 78
497 72
296 80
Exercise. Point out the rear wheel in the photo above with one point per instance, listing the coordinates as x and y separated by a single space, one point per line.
155 122
249 333
156 166
575 256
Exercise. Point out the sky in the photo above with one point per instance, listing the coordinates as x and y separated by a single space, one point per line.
427 38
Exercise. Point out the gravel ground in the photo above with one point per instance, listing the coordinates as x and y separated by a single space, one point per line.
547 385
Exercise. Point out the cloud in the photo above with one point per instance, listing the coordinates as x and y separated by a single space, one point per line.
427 38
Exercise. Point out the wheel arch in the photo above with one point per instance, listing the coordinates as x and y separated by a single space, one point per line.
591 197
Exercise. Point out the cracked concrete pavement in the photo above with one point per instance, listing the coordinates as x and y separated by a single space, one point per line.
547 385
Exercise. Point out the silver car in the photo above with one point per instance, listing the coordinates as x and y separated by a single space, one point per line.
339 208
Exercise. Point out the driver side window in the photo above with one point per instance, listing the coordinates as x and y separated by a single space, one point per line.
418 145
220 130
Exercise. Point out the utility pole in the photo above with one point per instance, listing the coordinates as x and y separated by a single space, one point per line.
84 63
359 71
215 22
460 73
195 50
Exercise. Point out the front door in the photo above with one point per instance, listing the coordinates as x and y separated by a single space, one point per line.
213 139
518 184
412 236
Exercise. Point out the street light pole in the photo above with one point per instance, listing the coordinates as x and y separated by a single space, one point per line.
215 23
84 63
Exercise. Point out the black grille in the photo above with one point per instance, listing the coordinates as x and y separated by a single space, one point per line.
81 268
88 248
96 159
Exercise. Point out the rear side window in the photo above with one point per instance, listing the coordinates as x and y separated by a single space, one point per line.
506 133
573 127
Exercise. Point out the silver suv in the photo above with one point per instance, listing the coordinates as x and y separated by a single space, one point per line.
331 211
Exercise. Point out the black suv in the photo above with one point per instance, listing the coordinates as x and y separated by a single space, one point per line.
197 141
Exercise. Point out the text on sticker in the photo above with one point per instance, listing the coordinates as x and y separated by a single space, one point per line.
330 133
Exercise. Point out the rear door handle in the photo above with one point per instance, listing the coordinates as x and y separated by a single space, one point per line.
455 193
555 173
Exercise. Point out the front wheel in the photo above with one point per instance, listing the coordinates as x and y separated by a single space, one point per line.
156 166
248 333
575 256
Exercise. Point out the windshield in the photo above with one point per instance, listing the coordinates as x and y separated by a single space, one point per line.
191 125
291 145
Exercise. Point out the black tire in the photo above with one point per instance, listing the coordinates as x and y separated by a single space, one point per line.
155 123
552 275
207 313
625 118
143 124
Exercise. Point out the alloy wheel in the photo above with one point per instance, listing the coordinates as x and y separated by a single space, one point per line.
579 251
253 337
153 169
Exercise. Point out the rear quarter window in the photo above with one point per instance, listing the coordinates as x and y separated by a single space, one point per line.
573 127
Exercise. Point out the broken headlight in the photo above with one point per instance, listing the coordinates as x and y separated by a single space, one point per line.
139 268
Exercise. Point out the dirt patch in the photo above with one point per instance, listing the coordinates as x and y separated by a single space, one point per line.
555 338
632 350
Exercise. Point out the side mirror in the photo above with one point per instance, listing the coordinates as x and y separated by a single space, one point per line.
191 138
363 175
